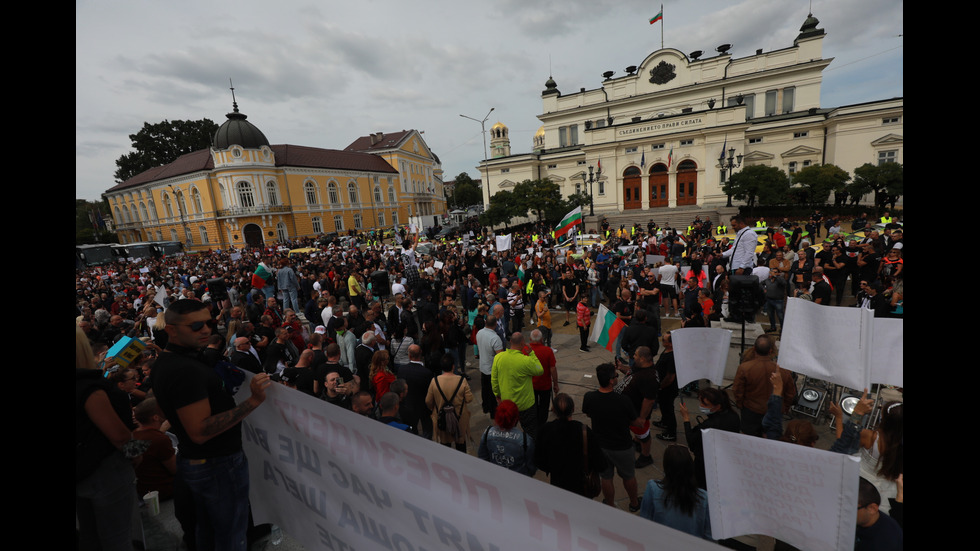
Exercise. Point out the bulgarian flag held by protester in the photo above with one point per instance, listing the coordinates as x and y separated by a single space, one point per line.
261 276
569 222
606 328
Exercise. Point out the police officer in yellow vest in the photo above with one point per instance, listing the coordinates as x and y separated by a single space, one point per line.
886 218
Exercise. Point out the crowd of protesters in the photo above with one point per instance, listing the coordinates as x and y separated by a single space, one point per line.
382 325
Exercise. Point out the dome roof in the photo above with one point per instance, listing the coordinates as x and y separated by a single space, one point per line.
238 131
498 125
540 132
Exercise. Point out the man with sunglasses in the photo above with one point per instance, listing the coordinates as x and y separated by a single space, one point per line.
207 422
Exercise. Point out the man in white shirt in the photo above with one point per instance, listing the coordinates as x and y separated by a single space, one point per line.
668 286
741 257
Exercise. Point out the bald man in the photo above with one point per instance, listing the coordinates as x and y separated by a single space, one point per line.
245 357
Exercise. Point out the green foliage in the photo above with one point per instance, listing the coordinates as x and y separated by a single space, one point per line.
539 197
161 143
765 185
886 181
503 206
819 181
85 231
465 192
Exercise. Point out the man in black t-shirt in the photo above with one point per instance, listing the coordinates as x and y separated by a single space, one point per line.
612 414
207 423
821 289
642 392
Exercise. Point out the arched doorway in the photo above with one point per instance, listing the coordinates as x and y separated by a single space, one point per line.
658 185
253 235
687 183
631 188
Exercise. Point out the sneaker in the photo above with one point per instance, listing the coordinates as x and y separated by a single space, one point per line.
553 349
583 349
565 324
659 424
639 502
642 461
667 437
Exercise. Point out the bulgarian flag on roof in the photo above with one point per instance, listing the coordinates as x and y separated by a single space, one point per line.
261 276
606 328
657 17
568 222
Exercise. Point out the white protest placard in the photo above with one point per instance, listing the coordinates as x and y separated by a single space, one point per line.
847 346
437 265
235 257
503 242
888 352
654 258
160 296
700 353
144 270
804 496
335 480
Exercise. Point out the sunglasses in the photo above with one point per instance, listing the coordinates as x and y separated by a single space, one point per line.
198 325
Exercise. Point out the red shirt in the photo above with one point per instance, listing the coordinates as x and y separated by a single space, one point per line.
548 362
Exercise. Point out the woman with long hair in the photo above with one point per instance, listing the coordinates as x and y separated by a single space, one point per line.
105 489
882 452
676 501
381 376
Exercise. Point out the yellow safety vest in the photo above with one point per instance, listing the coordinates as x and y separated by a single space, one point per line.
530 287
759 224
886 220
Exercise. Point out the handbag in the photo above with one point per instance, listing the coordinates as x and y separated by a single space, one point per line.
591 486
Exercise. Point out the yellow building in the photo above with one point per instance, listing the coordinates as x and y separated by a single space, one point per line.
419 168
242 190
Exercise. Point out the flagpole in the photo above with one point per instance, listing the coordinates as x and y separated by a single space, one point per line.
661 27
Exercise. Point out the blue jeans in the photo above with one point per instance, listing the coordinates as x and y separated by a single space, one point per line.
775 306
219 486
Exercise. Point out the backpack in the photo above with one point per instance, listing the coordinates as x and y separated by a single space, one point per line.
448 419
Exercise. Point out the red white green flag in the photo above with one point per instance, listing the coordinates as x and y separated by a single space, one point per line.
261 276
670 156
606 328
657 17
568 222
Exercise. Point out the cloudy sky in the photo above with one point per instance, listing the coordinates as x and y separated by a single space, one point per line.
323 73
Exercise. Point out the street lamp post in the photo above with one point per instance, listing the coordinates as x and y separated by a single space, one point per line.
594 176
183 221
730 163
483 132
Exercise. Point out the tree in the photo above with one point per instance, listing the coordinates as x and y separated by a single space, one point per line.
766 185
89 227
818 181
886 181
465 192
503 206
161 143
539 197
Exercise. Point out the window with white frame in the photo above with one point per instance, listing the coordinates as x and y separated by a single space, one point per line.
245 196
889 120
789 96
333 193
317 225
657 146
281 232
381 219
755 140
196 199
602 187
173 235
377 194
168 206
391 194
272 192
357 221
800 134
204 235
687 142
394 217
338 223
309 188
771 102
352 194
889 156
